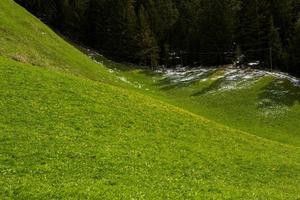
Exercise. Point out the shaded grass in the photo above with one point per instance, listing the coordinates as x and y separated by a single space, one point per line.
282 93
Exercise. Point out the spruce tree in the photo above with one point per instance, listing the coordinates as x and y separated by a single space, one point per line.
215 30
248 27
295 50
148 53
274 44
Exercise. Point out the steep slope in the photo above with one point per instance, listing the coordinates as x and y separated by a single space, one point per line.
66 137
24 38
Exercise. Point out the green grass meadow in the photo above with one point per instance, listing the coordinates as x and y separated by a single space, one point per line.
71 128
244 109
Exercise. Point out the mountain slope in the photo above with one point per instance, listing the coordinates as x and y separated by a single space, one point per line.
63 136
260 102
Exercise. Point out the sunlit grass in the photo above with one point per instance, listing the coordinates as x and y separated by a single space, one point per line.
64 135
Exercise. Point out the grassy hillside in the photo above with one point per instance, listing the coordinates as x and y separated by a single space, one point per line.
263 105
24 38
65 136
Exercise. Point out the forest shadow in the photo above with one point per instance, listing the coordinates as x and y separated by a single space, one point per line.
109 63
147 72
279 92
168 84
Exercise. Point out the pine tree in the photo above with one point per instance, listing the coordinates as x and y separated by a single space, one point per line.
93 28
148 53
282 12
295 50
248 27
129 35
71 17
274 44
215 30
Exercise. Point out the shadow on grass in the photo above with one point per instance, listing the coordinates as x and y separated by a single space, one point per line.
171 83
211 87
147 72
279 93
124 67
168 84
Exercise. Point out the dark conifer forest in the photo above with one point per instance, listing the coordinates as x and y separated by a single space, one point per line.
188 32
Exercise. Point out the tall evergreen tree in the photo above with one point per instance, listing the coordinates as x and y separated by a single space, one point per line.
248 26
215 30
274 44
148 53
295 50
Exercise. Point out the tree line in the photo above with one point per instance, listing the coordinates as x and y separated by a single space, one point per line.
168 32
